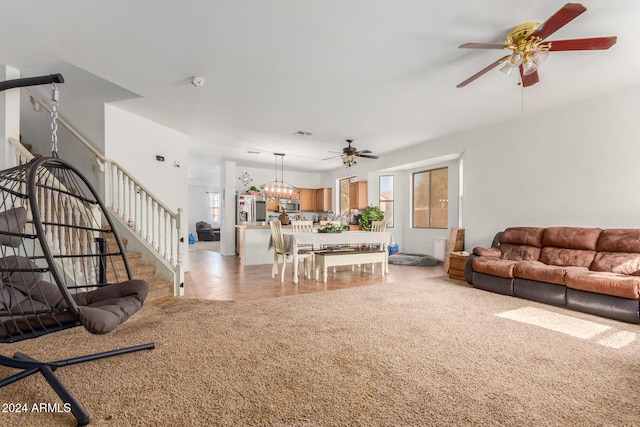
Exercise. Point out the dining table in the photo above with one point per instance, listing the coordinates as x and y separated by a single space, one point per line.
323 241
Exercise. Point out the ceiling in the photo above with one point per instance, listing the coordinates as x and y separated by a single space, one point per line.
380 72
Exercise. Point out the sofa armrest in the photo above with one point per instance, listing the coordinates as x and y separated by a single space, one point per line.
468 269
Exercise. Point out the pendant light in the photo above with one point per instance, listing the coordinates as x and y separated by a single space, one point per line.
278 188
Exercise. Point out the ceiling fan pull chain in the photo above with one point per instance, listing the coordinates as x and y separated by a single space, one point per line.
55 96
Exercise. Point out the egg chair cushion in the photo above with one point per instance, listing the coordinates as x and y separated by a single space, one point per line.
12 221
103 309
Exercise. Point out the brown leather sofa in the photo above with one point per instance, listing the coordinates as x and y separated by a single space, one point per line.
586 269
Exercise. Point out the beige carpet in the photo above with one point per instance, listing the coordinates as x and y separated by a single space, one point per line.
430 352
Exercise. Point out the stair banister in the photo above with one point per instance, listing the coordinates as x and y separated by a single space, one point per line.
156 226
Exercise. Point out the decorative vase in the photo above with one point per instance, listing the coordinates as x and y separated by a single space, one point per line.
284 218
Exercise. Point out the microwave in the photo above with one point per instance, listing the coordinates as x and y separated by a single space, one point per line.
289 205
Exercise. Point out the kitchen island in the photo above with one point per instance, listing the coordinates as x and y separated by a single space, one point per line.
253 243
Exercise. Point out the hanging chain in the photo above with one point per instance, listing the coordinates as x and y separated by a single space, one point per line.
54 120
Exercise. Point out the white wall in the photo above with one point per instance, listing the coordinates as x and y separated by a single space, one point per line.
134 142
9 112
228 178
576 166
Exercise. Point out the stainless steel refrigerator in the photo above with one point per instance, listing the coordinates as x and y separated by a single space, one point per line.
250 210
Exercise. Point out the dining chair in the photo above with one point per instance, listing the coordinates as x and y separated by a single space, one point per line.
379 225
294 254
302 226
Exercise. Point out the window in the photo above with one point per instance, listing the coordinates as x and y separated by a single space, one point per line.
386 198
431 198
214 207
344 196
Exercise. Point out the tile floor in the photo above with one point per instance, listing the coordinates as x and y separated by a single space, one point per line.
216 277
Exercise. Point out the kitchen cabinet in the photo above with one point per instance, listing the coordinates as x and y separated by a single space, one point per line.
323 200
272 205
307 199
358 195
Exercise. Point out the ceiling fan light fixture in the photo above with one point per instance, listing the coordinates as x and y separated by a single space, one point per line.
516 59
539 56
529 67
512 63
507 68
349 160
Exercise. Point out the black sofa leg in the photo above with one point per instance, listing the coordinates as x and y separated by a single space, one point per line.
30 366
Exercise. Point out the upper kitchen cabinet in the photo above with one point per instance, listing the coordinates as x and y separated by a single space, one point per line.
358 195
323 200
272 204
307 199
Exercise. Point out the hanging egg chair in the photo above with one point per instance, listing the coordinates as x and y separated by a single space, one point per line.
62 265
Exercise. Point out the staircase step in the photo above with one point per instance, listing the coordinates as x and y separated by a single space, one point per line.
159 287
134 259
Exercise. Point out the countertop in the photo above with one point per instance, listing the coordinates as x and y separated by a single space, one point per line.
266 226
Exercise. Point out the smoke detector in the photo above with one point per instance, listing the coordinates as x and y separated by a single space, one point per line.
197 81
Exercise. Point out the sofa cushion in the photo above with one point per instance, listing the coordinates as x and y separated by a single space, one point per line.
494 266
519 252
617 262
530 236
600 282
571 237
538 271
567 257
494 252
619 240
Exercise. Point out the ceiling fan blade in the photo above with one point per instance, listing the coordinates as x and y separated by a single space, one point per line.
483 46
594 43
332 157
365 152
562 17
367 156
530 79
484 71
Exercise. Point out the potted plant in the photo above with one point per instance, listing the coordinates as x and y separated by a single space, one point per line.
330 228
370 213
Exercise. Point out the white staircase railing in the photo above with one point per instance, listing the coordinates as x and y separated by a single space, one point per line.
150 219
156 226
